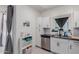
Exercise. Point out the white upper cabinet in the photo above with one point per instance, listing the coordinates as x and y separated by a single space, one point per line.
76 18
44 22
38 25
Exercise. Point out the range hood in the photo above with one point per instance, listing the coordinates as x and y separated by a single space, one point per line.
61 21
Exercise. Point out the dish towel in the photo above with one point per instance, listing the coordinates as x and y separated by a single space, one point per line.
9 43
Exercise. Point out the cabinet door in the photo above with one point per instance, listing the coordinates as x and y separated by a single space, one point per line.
76 18
54 46
71 22
43 22
63 46
39 25
74 47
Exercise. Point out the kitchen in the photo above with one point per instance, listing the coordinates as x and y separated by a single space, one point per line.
52 28
58 30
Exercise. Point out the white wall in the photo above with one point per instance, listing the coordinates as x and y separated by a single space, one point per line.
24 13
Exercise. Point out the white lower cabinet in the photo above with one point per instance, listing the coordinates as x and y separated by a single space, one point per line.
74 47
53 45
59 45
64 46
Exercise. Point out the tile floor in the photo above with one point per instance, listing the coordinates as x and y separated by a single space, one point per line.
37 50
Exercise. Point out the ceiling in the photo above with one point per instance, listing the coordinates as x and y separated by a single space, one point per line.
41 8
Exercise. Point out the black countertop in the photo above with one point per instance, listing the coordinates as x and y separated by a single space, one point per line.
67 38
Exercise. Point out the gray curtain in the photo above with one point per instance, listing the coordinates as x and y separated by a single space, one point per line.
9 43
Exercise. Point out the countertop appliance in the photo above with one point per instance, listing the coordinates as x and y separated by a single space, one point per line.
45 42
61 22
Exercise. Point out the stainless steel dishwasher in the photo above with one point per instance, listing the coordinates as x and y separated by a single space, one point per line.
45 42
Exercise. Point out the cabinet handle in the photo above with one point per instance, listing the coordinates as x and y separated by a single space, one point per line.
39 29
70 46
58 44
